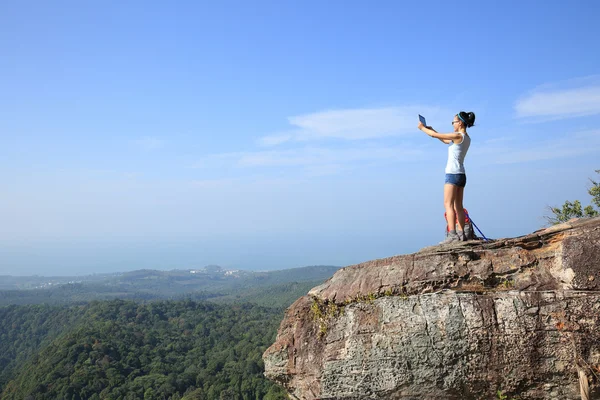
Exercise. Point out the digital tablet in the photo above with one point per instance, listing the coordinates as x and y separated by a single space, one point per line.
422 119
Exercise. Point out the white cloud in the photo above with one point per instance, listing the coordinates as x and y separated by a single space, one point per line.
214 183
574 145
568 99
353 124
274 140
314 158
334 141
149 143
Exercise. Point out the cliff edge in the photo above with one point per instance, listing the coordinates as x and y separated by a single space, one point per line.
516 317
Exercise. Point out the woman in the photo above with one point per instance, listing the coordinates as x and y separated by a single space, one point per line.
456 177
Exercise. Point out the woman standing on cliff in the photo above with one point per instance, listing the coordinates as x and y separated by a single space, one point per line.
456 177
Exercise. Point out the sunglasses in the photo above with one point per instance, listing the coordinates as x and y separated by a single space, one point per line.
455 122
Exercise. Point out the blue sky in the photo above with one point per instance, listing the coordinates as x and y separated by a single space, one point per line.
269 135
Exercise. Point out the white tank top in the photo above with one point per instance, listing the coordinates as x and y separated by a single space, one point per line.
456 155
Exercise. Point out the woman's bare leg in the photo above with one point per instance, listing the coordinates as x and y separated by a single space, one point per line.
458 207
449 199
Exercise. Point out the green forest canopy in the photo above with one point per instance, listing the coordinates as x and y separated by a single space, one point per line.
127 350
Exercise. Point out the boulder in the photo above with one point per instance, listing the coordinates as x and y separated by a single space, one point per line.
516 317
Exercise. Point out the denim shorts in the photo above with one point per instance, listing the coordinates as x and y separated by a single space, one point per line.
459 180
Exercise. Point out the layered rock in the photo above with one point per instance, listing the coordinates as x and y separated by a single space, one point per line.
515 317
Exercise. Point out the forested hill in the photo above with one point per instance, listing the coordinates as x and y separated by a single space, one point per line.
193 334
127 350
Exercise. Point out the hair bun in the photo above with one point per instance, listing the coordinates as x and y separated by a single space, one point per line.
470 119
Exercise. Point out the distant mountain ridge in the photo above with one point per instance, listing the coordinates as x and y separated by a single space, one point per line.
209 282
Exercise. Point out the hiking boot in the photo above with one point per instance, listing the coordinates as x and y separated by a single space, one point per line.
468 232
451 237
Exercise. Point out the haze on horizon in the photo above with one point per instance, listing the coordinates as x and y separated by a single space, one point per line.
267 136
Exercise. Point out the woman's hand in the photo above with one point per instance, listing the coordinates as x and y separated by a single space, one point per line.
425 129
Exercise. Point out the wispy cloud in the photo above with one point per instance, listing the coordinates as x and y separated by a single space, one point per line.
512 152
352 124
333 142
574 98
214 183
149 143
313 160
326 156
274 140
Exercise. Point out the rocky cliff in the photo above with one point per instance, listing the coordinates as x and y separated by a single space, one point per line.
516 317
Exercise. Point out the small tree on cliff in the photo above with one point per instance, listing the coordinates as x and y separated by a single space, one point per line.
575 209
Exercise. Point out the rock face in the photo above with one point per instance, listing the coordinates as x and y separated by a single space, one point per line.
515 317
